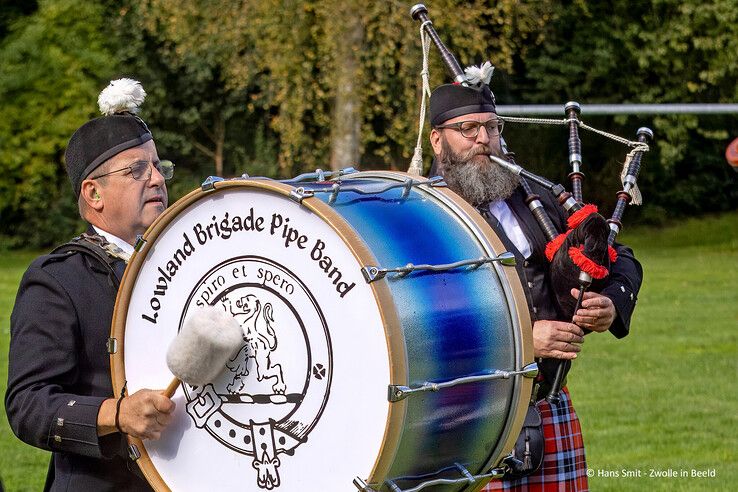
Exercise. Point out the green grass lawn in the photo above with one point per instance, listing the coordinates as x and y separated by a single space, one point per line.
662 399
22 467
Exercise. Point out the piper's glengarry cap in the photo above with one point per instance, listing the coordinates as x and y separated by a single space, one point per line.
102 138
451 100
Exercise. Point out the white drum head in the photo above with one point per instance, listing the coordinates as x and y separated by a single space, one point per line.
310 382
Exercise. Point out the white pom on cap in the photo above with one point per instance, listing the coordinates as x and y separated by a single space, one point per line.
209 338
121 95
479 75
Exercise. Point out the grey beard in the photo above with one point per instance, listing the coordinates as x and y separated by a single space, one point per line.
475 177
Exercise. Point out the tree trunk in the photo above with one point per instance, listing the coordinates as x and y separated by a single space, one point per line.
346 125
219 143
216 137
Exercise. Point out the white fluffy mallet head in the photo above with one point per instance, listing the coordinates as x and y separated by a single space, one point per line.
208 339
121 95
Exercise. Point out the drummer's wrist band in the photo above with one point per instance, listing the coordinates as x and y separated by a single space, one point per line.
117 408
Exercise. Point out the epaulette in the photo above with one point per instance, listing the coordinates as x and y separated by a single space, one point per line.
92 246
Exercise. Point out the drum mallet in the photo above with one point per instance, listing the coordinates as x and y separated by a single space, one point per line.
209 338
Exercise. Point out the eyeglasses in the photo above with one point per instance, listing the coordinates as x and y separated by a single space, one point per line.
141 170
470 129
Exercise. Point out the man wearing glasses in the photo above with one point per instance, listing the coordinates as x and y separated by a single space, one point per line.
60 396
465 131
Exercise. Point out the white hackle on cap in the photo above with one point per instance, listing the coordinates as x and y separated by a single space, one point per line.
209 338
120 96
479 75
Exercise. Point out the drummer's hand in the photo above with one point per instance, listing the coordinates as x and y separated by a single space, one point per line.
556 339
597 312
145 413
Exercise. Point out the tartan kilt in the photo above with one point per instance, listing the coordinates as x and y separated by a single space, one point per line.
564 466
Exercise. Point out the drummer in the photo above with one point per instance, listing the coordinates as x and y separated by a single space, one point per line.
465 130
59 395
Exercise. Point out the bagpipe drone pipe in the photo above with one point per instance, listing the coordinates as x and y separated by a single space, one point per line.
581 255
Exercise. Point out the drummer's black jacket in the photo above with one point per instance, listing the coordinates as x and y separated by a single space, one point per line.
621 285
59 372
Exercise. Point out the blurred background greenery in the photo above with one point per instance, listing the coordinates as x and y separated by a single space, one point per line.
279 87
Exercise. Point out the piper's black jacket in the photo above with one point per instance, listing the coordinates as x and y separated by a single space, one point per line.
59 372
621 285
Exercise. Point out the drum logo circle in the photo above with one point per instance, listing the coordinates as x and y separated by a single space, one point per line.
272 393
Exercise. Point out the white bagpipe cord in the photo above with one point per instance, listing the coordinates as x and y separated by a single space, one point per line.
416 163
634 192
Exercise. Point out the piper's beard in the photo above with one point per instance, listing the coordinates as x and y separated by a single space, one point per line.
474 177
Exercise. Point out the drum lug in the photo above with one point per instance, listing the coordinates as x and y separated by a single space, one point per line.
299 194
133 452
112 345
437 182
140 243
396 392
209 183
362 486
372 273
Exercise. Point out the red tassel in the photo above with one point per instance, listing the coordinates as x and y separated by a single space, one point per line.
553 245
581 214
613 254
585 264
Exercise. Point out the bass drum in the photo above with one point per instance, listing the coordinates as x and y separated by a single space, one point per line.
328 391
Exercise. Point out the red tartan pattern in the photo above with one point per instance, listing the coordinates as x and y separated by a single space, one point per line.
564 467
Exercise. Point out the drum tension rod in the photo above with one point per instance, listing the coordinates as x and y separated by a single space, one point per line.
396 392
466 478
320 175
372 273
407 185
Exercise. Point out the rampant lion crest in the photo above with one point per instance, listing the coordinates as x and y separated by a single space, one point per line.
260 342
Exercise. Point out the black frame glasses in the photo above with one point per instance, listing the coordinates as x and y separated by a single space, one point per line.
470 129
141 170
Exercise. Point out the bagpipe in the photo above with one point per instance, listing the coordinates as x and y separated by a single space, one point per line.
581 255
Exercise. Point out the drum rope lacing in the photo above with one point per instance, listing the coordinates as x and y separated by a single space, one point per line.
373 273
300 193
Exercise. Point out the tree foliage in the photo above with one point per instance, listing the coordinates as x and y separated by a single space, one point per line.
279 87
54 62
659 51
287 55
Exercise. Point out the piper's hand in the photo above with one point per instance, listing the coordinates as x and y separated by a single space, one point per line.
557 339
145 413
597 312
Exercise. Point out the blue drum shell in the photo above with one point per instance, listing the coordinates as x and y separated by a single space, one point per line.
455 323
